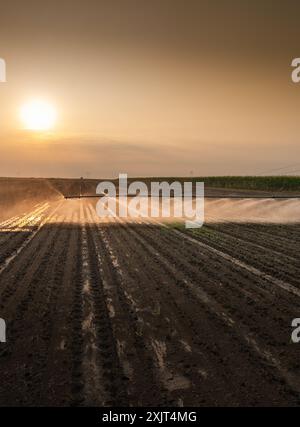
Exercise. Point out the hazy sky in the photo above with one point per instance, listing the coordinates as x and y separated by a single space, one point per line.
160 87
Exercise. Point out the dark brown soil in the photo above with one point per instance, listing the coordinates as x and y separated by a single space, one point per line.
115 313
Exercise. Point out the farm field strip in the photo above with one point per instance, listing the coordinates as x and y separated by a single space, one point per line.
252 292
263 229
35 303
241 265
219 311
266 260
26 219
243 237
219 253
94 389
180 381
262 226
15 218
235 261
287 249
267 277
146 344
105 311
27 240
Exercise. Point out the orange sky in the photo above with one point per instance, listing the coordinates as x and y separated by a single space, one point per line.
150 88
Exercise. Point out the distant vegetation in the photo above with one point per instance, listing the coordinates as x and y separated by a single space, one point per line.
268 183
261 183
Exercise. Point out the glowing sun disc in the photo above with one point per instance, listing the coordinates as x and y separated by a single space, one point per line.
38 115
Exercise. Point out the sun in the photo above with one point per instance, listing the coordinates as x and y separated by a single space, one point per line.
38 115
